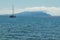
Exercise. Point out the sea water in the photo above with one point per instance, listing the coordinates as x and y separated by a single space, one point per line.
30 28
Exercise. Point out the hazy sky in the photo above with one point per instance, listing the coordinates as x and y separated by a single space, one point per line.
23 4
29 3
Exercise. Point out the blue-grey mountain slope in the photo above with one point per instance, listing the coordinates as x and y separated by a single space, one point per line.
33 14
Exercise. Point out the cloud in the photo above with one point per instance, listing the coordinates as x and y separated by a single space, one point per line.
55 11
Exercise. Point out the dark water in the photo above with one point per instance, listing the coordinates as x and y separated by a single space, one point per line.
30 28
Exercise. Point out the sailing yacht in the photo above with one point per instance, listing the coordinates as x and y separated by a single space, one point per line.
12 16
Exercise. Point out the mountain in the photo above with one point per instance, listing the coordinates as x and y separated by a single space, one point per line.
33 14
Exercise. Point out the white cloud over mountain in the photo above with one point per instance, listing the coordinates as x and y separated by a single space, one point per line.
51 10
55 11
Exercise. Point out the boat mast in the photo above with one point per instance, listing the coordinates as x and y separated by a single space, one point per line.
12 9
12 16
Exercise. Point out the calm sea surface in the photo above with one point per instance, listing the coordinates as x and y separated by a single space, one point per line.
30 28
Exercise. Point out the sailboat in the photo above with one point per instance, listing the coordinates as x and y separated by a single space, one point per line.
13 15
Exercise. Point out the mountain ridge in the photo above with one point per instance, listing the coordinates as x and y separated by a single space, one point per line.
33 14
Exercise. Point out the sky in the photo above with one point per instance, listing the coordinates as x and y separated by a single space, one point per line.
50 6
